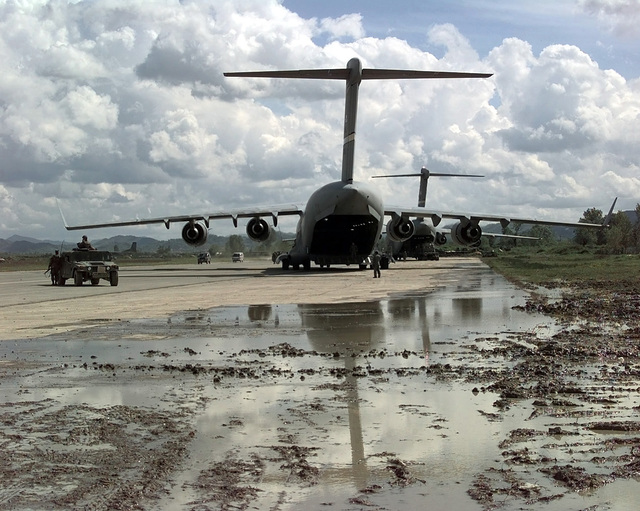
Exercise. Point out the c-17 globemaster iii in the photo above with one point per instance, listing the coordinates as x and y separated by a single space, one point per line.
421 244
343 220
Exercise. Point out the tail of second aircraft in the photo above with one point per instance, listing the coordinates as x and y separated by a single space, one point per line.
424 176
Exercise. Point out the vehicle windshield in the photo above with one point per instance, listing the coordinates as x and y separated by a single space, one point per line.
89 255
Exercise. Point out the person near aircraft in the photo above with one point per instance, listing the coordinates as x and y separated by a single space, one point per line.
375 264
84 244
54 267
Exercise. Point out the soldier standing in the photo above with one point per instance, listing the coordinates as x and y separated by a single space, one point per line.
54 267
375 262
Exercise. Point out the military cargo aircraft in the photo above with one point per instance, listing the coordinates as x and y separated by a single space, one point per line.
343 220
420 245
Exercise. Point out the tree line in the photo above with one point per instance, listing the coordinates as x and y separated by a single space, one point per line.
622 236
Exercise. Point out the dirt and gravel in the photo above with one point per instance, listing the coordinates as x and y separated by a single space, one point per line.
331 407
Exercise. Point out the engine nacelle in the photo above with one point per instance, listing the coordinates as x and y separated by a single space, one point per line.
258 229
441 238
467 235
194 234
399 229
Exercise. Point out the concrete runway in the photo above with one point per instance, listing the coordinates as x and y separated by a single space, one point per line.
31 308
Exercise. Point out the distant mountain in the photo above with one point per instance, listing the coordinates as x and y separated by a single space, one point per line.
31 246
27 247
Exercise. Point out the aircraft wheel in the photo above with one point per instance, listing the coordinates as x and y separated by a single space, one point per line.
307 265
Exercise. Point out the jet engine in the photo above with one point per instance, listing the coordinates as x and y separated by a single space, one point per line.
399 229
441 238
257 229
194 234
467 235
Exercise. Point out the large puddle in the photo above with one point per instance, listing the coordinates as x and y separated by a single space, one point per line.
364 405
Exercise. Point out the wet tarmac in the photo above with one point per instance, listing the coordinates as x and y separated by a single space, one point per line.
378 405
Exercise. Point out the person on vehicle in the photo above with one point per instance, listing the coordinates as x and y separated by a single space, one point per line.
375 263
84 244
54 267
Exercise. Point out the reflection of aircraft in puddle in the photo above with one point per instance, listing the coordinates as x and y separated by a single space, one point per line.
358 333
259 312
347 329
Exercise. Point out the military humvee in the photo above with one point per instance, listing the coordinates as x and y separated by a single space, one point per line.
83 265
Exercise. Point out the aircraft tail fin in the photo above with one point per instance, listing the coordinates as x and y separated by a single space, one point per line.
353 74
424 175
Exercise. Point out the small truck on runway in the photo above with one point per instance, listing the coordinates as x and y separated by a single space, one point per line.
84 265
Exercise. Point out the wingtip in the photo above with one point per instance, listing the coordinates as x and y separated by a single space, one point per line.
64 221
607 219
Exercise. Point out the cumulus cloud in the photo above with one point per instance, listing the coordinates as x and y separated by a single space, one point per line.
120 109
347 26
620 16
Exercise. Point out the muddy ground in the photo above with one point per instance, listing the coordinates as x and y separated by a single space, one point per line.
204 410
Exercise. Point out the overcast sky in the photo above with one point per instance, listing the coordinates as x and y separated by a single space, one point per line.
119 109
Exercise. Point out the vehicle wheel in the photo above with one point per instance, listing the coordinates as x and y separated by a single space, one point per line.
95 282
113 278
285 264
77 279
61 281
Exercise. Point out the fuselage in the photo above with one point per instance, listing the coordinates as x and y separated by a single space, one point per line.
341 224
423 237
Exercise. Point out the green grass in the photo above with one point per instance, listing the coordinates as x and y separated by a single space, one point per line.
566 264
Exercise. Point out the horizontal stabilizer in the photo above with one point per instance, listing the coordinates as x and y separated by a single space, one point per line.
387 74
344 74
438 174
313 74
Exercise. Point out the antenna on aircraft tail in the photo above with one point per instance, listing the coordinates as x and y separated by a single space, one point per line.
353 75
424 176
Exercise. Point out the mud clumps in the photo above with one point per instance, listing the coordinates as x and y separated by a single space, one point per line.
582 377
562 407
102 458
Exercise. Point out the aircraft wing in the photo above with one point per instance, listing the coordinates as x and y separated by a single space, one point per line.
496 235
437 216
273 211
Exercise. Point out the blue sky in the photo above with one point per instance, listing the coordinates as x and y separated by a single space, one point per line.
118 109
487 22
